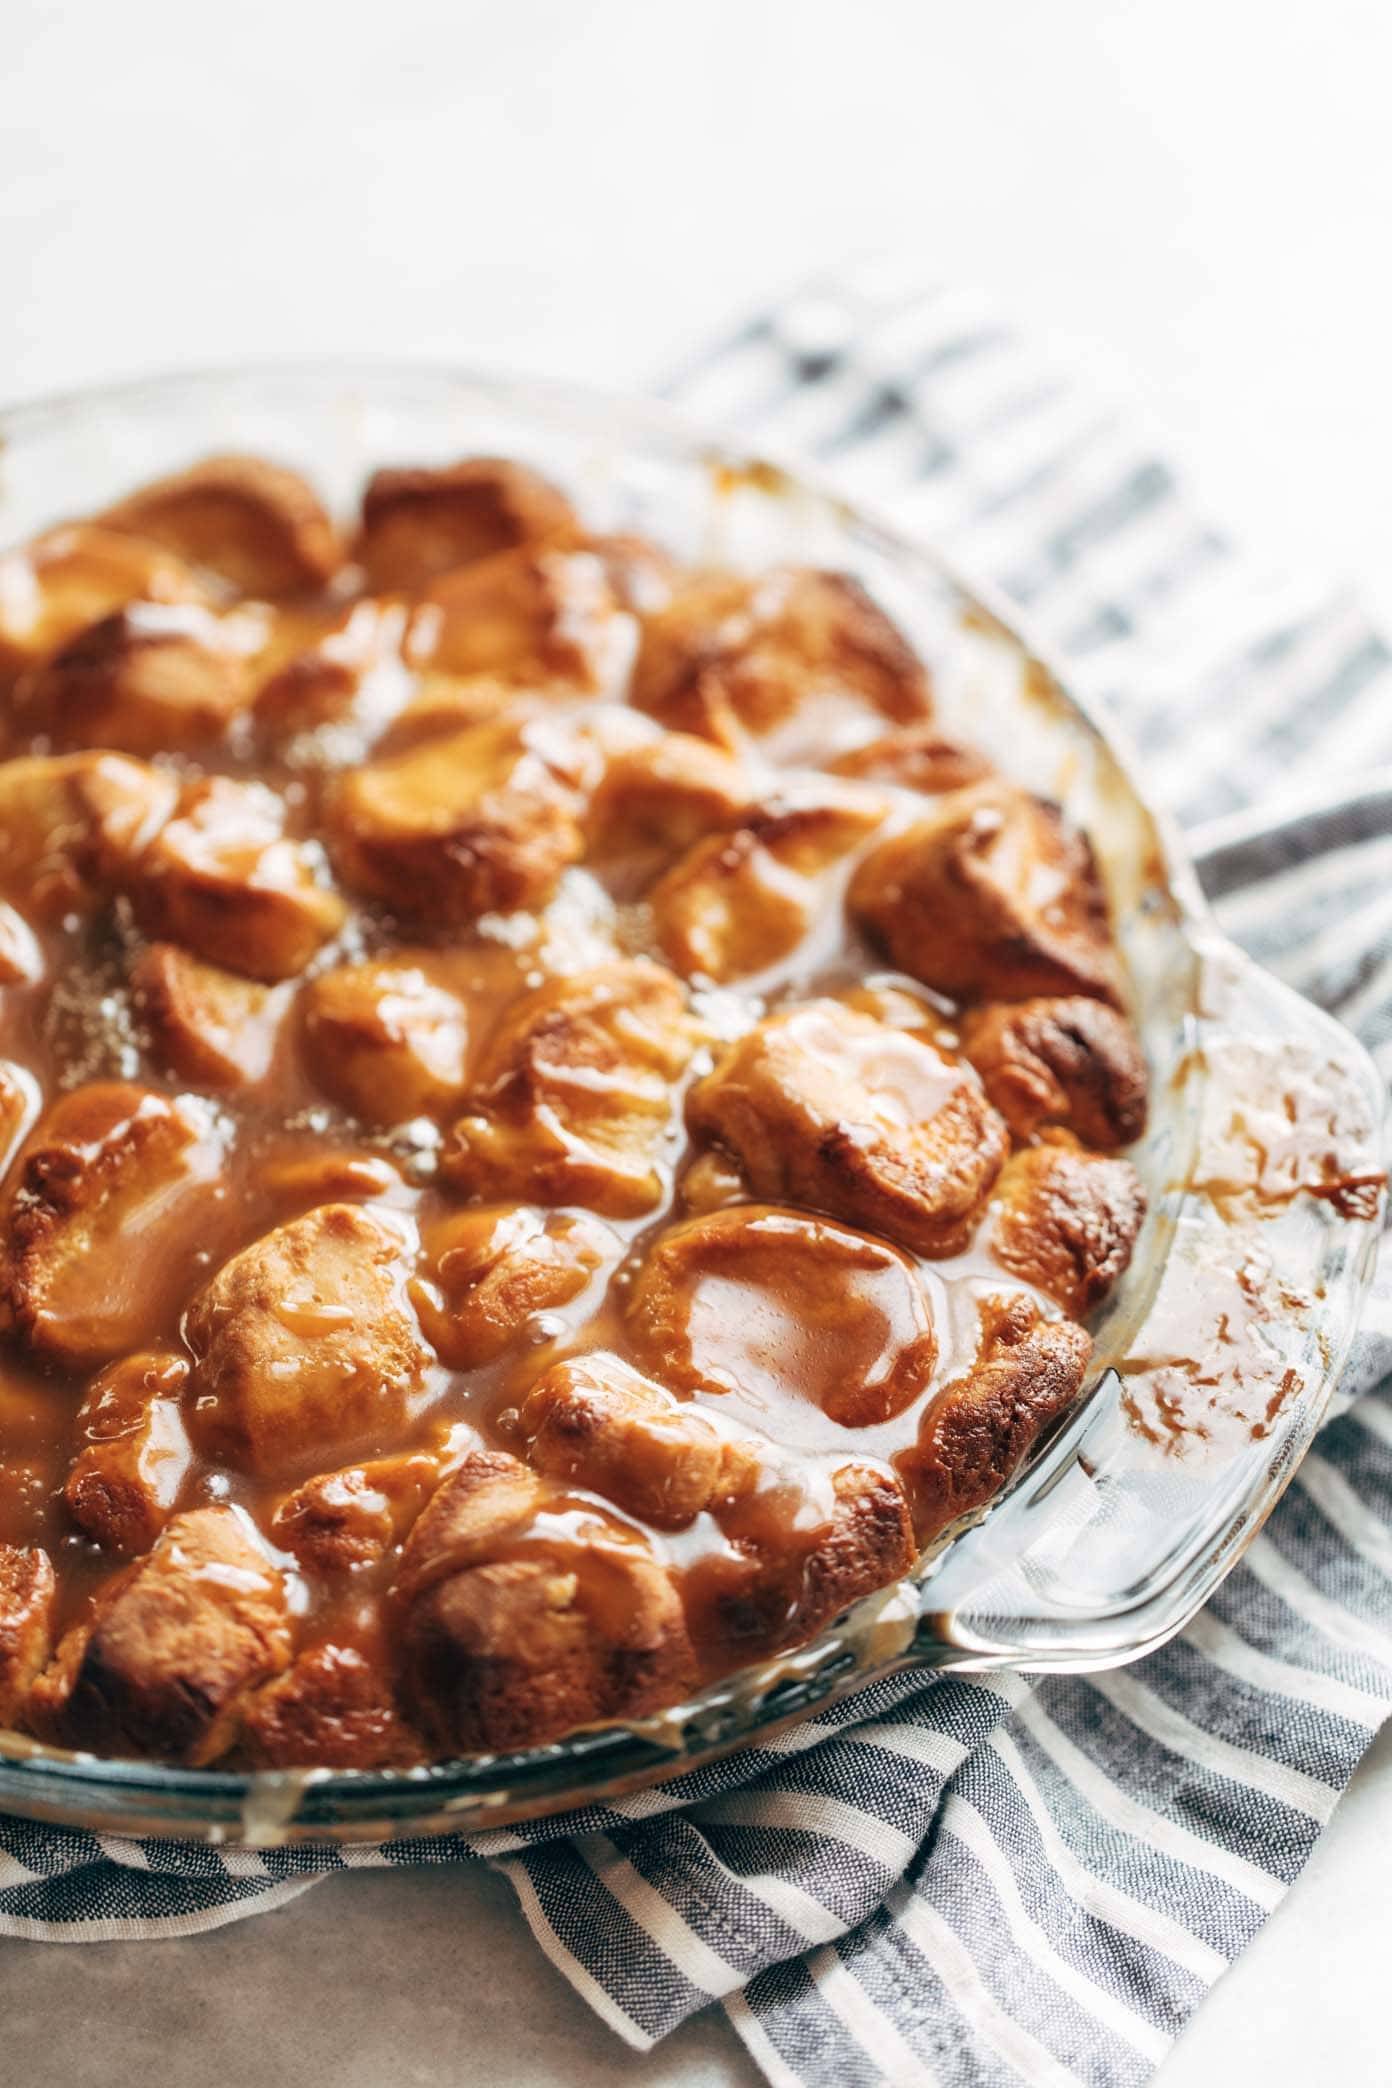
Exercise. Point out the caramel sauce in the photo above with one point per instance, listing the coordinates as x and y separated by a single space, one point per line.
286 1149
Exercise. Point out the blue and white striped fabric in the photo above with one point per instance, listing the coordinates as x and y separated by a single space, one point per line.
996 1881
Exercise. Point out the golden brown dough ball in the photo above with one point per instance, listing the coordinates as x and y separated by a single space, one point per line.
824 1106
993 896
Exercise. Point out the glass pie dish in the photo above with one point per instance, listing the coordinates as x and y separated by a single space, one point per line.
1215 1357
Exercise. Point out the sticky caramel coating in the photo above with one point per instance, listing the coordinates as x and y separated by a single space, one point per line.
490 1272
764 1304
253 523
992 897
827 1107
1066 1221
525 1066
419 523
1071 1061
171 1648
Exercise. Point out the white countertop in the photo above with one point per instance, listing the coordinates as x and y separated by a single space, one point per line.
1197 197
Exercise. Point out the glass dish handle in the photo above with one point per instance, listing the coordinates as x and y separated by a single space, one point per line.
1127 1520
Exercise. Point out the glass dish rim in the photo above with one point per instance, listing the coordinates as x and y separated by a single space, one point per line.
338 1804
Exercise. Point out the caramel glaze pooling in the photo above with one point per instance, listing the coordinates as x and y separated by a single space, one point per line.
487 1240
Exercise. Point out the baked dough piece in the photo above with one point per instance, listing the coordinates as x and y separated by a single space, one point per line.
97 1240
741 900
481 1507
339 668
207 1024
664 794
992 897
124 1483
73 827
824 1106
786 1572
1028 1370
1066 1221
511 1638
148 679
419 523
488 1274
1071 1061
339 1521
21 958
70 578
305 1344
224 879
520 1651
642 575
172 1647
19 1105
916 757
253 523
796 658
483 821
595 1422
27 1592
539 617
573 1097
385 1040
300 1179
335 1704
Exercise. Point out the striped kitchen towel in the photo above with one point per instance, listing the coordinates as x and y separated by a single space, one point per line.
995 1881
